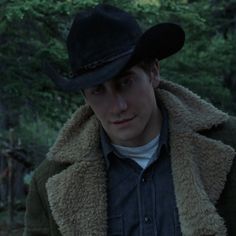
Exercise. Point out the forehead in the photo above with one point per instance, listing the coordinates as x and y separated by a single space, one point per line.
135 70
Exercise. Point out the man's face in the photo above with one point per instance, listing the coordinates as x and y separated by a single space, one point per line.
126 106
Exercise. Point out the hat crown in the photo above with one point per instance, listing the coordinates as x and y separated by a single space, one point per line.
99 35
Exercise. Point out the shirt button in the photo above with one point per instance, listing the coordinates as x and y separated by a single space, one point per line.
147 220
143 180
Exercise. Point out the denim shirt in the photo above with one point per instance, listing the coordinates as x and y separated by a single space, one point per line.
141 201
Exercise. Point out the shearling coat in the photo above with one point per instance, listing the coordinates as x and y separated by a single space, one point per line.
68 191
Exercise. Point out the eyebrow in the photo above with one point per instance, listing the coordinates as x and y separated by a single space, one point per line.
125 73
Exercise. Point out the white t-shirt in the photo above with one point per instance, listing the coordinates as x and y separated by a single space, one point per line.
141 154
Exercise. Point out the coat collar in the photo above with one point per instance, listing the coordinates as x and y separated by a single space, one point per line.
77 195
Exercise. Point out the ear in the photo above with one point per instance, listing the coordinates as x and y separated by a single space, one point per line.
155 74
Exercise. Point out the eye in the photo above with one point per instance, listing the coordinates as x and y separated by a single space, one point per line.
126 82
97 90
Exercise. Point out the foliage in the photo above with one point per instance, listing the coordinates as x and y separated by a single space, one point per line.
208 56
32 136
35 136
33 32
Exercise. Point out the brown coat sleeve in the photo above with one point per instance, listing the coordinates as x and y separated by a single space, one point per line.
38 217
226 205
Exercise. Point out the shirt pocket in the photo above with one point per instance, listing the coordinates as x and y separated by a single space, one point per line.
115 226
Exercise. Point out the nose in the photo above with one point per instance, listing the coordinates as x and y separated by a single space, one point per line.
118 104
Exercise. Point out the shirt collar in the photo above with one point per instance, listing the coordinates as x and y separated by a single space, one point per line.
108 149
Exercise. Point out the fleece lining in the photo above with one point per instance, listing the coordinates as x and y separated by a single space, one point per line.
77 195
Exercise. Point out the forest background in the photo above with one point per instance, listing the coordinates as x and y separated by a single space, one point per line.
33 32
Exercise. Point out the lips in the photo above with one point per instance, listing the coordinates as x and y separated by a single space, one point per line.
119 122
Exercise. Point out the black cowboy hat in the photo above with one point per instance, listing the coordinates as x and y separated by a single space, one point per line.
105 40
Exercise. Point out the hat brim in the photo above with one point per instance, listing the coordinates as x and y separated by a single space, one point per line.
160 41
98 75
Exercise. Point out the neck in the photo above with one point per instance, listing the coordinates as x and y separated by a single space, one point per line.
153 127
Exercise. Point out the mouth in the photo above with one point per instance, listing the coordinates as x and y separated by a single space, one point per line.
124 121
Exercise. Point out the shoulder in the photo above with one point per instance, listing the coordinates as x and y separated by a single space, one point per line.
49 168
37 192
226 204
38 216
45 170
224 132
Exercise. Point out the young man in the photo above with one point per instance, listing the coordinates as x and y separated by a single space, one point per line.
143 156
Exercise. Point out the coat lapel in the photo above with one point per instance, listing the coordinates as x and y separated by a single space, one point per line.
199 165
77 199
77 195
